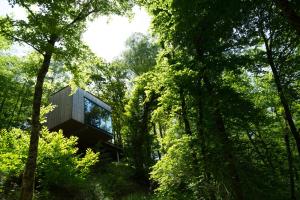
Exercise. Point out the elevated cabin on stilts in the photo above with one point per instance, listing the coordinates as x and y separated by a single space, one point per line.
83 115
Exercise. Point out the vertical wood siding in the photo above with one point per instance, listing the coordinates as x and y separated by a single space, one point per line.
70 106
63 111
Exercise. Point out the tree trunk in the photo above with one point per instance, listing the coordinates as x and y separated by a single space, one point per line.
226 144
188 131
220 128
30 167
228 156
290 164
2 103
200 125
284 102
16 106
1 111
184 112
160 129
141 147
289 12
201 138
21 105
263 158
155 134
287 111
118 133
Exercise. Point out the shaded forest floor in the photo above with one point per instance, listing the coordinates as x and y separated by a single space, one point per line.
113 181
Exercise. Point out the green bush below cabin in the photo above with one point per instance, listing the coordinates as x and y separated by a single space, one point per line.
59 166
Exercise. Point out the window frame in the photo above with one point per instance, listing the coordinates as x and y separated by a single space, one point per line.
89 124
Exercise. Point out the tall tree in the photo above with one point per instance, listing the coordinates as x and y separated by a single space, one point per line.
290 10
52 29
138 141
280 53
15 86
207 33
108 82
209 50
140 54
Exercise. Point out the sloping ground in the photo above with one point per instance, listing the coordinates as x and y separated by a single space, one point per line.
116 182
108 181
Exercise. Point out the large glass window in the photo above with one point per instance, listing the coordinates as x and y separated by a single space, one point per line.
97 116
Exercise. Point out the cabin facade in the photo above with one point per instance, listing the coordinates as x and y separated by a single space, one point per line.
81 114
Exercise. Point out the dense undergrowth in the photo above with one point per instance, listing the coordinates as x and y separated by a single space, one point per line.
59 164
62 172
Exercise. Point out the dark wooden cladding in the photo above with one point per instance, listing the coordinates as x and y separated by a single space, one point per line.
88 136
68 115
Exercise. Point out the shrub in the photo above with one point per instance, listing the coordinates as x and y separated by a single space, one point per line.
173 172
117 181
58 165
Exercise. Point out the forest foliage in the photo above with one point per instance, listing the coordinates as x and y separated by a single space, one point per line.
58 161
206 107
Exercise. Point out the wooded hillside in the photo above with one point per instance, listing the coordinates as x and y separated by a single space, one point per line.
207 106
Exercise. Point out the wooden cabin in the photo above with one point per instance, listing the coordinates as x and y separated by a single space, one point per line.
83 115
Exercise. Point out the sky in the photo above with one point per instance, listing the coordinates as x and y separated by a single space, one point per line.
105 36
107 39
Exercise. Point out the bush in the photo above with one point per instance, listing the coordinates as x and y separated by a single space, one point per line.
13 150
58 163
117 182
174 172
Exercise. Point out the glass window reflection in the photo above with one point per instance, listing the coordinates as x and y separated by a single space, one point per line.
97 116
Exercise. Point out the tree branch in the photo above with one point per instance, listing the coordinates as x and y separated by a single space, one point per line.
21 40
80 16
27 8
291 15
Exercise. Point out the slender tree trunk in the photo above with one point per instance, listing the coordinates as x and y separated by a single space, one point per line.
188 131
228 156
289 12
160 129
29 171
184 112
119 136
1 111
155 133
220 127
154 128
265 147
145 132
200 125
284 102
142 152
287 111
21 105
201 138
6 85
161 134
16 105
3 102
226 144
264 159
290 164
117 132
159 155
